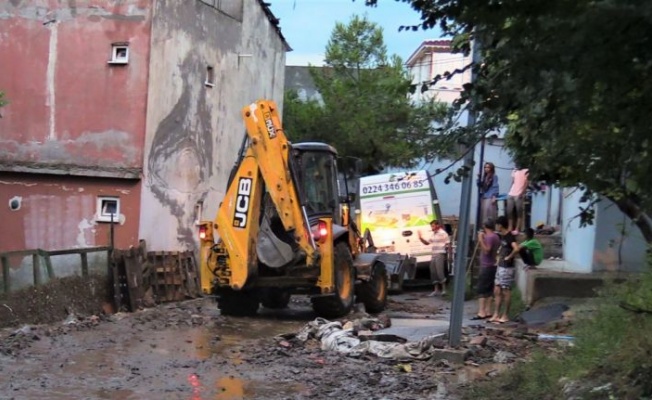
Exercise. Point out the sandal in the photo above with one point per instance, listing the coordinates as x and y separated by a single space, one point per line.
477 317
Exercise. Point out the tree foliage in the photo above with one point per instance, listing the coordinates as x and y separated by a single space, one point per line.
570 81
3 100
366 110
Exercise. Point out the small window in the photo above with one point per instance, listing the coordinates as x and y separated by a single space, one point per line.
198 212
119 53
210 77
108 207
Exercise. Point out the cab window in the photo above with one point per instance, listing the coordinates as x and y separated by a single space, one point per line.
318 179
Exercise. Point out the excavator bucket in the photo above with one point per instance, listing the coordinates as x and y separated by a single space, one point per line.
271 250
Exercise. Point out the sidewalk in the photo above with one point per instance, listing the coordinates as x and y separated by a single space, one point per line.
415 326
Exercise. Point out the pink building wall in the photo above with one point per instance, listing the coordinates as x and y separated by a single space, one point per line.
74 127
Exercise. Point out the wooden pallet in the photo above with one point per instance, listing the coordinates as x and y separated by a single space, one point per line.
174 275
130 283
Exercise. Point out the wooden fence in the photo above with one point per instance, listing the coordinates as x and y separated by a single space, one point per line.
37 255
136 278
142 278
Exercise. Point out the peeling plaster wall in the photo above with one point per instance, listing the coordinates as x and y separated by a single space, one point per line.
60 214
619 244
579 241
194 131
70 111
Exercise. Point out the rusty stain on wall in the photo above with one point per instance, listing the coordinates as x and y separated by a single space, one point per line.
57 215
78 127
193 131
86 117
180 156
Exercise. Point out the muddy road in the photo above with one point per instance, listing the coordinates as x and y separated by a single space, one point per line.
189 351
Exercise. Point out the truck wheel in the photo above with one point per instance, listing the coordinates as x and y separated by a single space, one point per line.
339 304
275 299
373 294
238 303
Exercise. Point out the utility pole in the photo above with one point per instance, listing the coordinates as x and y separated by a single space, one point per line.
457 308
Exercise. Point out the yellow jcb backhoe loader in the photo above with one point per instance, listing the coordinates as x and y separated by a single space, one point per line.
283 229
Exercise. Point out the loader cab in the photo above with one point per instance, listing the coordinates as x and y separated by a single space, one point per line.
316 171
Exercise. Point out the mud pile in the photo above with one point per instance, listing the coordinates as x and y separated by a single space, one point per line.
53 301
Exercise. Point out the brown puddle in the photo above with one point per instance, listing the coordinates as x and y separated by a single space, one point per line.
232 388
199 363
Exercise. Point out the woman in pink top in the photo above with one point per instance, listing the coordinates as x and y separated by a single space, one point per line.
515 199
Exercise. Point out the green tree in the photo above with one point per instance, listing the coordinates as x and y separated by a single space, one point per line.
571 82
303 119
366 110
3 100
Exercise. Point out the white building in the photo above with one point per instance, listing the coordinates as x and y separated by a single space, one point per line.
434 59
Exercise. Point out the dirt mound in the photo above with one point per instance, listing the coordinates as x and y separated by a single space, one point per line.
53 301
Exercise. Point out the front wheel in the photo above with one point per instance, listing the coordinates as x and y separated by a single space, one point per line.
373 294
339 303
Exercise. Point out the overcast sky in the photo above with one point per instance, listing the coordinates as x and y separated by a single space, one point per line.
307 25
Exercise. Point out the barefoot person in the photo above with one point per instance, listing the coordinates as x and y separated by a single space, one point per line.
516 200
439 241
505 272
489 242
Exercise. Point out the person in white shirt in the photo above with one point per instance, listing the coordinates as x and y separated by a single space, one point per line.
439 240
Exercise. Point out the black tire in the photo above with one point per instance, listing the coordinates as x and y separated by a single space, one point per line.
373 294
275 299
340 303
238 303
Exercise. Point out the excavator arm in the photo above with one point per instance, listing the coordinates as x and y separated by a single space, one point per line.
265 165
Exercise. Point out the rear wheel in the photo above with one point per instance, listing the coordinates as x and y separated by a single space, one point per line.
339 303
275 299
238 303
373 294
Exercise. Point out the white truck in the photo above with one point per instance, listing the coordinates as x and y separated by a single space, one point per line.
394 207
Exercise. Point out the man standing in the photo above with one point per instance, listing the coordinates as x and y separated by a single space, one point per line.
489 243
516 200
439 240
505 272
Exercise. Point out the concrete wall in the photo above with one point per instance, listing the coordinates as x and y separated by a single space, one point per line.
194 131
547 206
579 242
612 243
70 111
619 245
57 214
61 214
74 126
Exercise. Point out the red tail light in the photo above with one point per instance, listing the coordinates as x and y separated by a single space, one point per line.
322 229
320 232
202 232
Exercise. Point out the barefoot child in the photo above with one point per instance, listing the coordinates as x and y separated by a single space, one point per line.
489 242
505 273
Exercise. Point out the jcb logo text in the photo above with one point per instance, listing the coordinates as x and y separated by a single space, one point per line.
269 124
242 203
